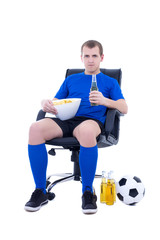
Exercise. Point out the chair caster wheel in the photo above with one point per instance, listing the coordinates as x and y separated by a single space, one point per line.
51 196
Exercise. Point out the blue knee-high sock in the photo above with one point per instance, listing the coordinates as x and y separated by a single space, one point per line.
38 160
88 163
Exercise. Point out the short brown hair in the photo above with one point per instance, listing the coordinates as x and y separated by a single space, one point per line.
92 44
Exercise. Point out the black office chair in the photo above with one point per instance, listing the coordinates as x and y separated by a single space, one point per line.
111 137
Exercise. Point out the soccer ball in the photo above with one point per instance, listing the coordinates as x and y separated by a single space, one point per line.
130 190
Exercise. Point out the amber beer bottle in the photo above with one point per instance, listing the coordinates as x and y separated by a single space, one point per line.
103 188
94 87
110 190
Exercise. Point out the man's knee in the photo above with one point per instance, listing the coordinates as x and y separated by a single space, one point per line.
87 133
34 128
86 136
43 130
88 129
36 134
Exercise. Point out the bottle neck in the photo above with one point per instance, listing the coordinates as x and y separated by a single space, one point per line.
94 78
94 83
103 177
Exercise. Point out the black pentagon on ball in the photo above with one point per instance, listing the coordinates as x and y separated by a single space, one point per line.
138 180
133 192
120 196
122 182
132 204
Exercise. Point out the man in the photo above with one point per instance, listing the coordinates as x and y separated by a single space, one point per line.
85 126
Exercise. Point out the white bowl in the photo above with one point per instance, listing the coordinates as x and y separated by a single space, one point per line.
67 110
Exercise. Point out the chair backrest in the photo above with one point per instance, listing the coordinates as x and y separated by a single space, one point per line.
113 136
114 73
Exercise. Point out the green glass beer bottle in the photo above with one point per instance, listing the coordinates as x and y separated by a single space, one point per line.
94 87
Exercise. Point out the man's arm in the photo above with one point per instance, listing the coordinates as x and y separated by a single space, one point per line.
98 98
119 104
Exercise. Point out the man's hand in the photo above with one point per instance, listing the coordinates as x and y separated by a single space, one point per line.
97 97
47 106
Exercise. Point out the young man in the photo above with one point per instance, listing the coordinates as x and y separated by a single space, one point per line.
85 126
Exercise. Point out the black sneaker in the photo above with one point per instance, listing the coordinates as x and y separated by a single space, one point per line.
89 205
37 199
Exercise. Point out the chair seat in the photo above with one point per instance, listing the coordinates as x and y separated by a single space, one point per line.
66 142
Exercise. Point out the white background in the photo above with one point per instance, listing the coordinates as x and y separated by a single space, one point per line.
39 41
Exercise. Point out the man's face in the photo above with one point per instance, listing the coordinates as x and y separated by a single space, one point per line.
91 59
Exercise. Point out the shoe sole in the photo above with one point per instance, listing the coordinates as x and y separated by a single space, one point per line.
89 211
34 209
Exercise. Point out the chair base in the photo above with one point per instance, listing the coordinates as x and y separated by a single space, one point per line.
65 177
76 175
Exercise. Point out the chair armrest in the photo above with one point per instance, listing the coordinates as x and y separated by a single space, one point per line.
110 119
41 115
